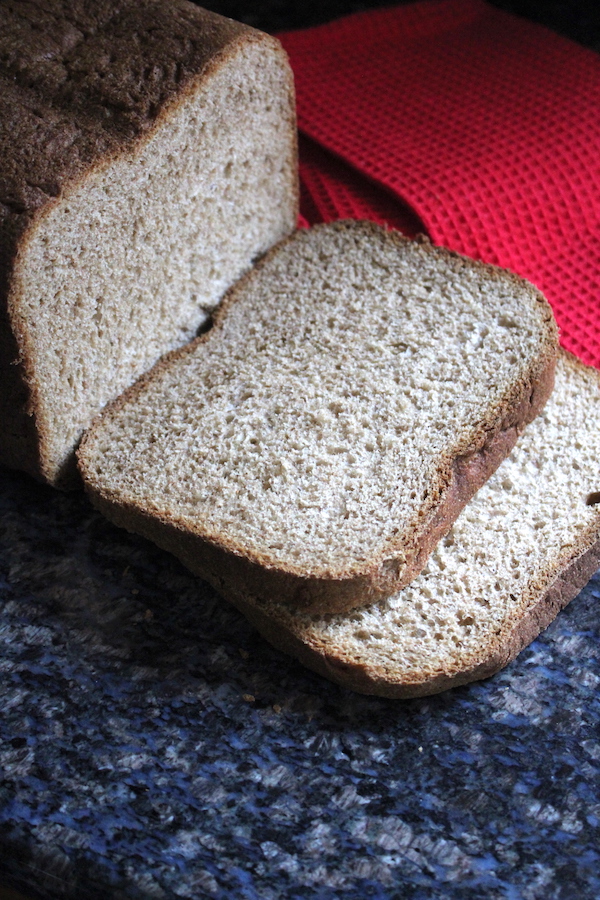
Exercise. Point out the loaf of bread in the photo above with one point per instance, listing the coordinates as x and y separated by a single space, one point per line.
356 389
147 158
519 552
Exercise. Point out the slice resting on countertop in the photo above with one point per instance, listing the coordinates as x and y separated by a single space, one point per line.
356 389
518 553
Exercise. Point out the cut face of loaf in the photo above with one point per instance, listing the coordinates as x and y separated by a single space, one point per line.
355 391
524 546
150 158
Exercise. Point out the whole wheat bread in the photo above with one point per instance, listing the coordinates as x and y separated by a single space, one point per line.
520 551
355 391
147 157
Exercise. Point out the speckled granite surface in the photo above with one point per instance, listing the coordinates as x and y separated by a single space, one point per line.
152 746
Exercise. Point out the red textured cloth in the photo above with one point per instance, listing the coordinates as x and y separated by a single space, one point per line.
480 128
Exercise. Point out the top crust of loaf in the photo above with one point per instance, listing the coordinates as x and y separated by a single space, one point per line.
468 460
81 83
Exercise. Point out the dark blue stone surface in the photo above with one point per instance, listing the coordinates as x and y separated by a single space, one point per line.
153 746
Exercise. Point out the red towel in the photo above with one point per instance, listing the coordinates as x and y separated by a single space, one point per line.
471 124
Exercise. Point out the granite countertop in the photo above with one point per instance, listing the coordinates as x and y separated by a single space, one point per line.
153 746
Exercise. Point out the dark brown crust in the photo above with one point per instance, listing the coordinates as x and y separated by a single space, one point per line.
535 615
540 603
495 655
82 82
546 595
19 440
235 575
470 472
460 477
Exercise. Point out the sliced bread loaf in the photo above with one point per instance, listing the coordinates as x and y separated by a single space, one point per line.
524 546
356 390
147 157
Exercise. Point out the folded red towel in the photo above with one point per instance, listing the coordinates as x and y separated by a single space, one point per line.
479 127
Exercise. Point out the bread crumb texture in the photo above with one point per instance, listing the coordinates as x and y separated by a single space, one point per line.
520 533
161 141
310 428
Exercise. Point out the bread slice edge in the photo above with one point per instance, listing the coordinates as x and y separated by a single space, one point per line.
231 568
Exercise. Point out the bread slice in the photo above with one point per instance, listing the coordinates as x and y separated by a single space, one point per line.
147 157
519 552
356 390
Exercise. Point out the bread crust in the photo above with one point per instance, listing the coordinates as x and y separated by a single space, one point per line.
235 572
546 594
539 608
81 84
542 600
